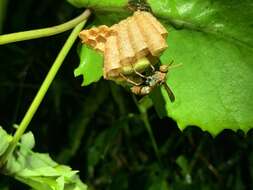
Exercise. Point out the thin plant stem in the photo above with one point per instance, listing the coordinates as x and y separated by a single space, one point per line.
44 32
42 91
147 125
144 117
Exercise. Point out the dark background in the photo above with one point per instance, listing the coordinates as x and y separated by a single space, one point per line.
98 129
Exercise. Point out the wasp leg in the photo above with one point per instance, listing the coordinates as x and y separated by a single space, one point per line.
129 80
174 66
152 67
138 73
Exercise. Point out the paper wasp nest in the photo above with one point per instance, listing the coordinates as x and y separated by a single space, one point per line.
124 43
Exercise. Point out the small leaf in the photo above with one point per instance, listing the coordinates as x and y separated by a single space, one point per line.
28 140
5 141
91 65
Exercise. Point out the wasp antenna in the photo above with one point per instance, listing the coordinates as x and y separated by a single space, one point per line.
172 61
176 66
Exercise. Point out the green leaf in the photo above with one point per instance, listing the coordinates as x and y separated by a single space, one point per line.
211 17
91 65
5 141
38 170
213 88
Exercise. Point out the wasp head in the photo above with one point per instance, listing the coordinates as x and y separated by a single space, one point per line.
164 68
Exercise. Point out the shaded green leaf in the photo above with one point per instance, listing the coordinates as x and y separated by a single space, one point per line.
91 65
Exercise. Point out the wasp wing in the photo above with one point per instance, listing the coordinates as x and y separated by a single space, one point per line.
169 91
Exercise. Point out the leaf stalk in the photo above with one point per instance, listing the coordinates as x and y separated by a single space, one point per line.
44 32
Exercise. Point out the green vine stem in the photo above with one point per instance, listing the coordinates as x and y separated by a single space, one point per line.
144 116
44 32
43 89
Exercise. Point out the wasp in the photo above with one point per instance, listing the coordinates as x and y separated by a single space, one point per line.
150 82
139 5
143 84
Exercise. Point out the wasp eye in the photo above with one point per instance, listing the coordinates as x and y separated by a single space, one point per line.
164 68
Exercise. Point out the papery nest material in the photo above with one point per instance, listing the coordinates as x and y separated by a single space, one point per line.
124 43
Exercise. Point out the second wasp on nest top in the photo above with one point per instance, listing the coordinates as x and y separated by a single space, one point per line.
124 43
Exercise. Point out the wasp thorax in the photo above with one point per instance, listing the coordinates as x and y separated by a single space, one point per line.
124 43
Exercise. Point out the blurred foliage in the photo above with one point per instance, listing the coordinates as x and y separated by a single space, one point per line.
3 5
37 170
98 129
